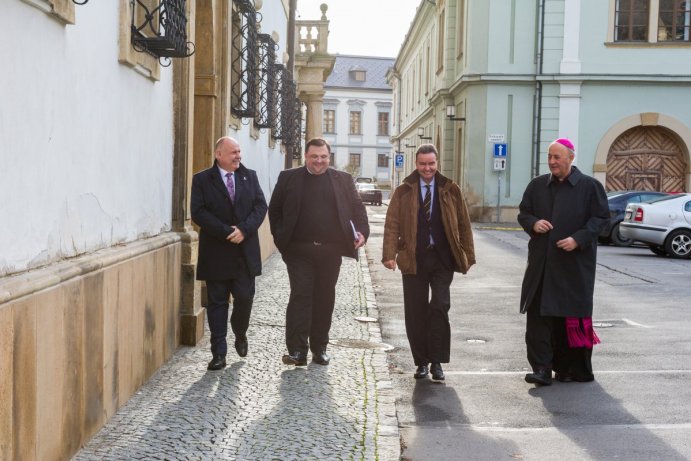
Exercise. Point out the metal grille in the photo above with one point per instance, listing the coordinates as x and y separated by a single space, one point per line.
161 30
288 111
282 93
244 60
265 114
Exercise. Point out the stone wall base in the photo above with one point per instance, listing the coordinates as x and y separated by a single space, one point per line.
78 338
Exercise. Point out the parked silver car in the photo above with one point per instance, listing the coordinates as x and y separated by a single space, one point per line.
664 225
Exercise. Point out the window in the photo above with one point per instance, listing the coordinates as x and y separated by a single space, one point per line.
359 75
354 160
383 124
329 121
440 43
673 20
460 28
355 122
382 160
143 63
631 20
651 21
332 159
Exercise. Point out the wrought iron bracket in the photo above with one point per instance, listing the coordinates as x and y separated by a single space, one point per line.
161 30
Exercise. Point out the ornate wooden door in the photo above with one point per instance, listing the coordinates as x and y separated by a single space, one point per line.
646 158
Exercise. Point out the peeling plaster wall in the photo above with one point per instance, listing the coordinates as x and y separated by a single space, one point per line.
86 143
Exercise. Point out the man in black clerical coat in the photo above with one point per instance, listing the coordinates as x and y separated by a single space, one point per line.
228 205
316 217
563 212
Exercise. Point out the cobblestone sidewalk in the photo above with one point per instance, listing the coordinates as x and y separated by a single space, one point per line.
259 409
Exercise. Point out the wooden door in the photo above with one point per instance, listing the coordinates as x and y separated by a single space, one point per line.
646 158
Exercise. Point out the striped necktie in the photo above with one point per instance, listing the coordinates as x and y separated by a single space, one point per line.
427 203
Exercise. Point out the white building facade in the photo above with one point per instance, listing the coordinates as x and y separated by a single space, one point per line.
98 145
357 117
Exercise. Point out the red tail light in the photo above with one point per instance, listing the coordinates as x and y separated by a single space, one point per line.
638 217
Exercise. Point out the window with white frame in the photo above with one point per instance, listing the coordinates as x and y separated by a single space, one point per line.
382 124
355 122
382 160
329 121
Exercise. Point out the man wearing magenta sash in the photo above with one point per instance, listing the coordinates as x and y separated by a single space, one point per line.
563 212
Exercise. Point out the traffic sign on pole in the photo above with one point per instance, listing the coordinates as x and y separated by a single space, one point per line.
501 150
399 160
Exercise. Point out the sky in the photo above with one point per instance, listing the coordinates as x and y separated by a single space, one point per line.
363 27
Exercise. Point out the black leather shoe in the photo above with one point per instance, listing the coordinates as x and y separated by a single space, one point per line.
299 359
543 376
421 372
437 372
321 357
565 378
241 346
217 363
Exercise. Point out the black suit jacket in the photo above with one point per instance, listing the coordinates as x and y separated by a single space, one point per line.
286 200
214 213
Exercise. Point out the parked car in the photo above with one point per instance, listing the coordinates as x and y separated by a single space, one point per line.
664 225
617 201
369 193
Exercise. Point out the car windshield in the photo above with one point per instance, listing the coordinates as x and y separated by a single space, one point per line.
362 186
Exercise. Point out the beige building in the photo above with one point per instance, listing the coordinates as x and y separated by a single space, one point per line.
105 119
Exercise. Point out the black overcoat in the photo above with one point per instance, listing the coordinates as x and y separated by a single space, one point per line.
286 200
576 208
215 214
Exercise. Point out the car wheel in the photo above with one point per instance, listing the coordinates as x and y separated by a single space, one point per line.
678 244
618 239
657 250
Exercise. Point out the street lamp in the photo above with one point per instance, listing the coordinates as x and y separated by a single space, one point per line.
451 113
421 134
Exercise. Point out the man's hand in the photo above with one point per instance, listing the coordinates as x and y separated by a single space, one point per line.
390 264
542 226
360 240
567 244
236 236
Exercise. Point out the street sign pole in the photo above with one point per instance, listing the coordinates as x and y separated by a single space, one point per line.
498 194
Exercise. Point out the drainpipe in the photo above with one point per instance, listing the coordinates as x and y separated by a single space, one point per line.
290 38
537 103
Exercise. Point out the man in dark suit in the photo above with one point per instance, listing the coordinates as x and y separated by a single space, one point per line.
229 206
316 217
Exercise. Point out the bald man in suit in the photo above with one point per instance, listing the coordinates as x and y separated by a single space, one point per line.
229 206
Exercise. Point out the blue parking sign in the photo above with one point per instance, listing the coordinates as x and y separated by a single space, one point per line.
399 160
501 150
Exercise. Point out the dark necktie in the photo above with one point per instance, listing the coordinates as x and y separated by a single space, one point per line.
427 203
230 186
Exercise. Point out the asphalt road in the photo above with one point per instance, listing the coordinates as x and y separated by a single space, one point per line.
638 407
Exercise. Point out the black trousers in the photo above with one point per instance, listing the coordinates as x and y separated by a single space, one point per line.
427 320
313 272
548 346
218 292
